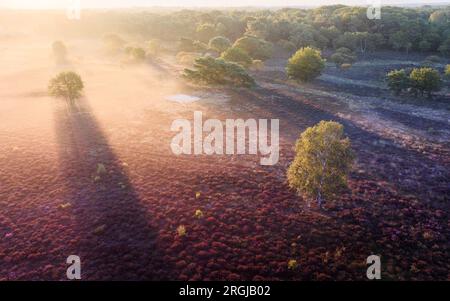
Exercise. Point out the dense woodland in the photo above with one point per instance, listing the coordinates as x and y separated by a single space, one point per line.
424 29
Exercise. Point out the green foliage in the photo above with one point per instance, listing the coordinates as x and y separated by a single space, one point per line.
218 72
447 71
398 81
444 48
425 80
343 56
257 48
237 55
138 54
66 84
400 40
305 65
322 162
59 51
420 80
219 44
287 45
205 32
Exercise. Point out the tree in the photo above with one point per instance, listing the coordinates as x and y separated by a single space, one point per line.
305 65
322 162
219 44
398 81
66 84
257 48
400 40
237 55
425 80
205 32
343 56
218 72
444 48
59 51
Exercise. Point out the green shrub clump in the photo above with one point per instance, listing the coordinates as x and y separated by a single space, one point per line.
305 65
209 70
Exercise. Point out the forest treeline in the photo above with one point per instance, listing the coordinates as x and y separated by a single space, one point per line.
424 29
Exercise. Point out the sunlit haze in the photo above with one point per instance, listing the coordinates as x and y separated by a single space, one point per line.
45 4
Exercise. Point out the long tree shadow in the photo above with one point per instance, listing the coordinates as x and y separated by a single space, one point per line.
115 240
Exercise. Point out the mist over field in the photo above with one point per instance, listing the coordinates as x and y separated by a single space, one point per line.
92 173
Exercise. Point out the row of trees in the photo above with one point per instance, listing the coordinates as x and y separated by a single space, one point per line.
404 29
416 81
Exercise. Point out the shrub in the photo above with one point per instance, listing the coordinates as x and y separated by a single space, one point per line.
59 51
154 48
425 80
218 71
113 42
343 56
181 231
447 71
138 54
198 213
219 44
257 65
237 55
305 65
257 48
433 59
322 162
398 81
287 45
66 84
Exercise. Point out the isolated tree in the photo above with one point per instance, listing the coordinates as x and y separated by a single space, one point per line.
398 81
425 80
219 44
322 162
213 71
237 55
305 65
59 51
67 85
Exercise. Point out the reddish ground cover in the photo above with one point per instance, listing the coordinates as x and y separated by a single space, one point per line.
122 220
